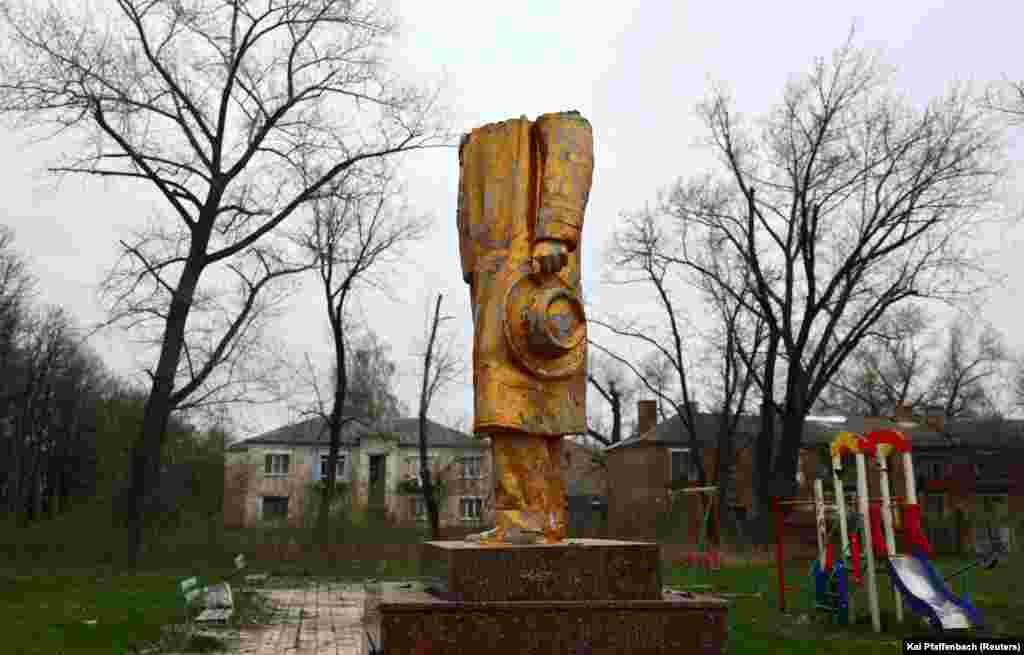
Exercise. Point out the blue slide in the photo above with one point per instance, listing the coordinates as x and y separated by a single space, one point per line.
927 594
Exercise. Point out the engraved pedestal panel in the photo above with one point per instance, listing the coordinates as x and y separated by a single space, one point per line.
577 569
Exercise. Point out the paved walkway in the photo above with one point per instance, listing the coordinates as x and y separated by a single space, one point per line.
325 618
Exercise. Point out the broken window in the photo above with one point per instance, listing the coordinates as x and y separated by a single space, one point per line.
339 471
471 507
275 507
277 463
682 465
471 468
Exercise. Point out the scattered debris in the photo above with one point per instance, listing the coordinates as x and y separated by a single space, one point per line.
220 604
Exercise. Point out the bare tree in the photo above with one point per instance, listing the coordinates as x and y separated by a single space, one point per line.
1006 98
1018 383
970 360
608 377
441 366
891 366
17 286
51 384
46 346
901 361
735 333
371 382
862 203
212 105
354 233
636 255
656 370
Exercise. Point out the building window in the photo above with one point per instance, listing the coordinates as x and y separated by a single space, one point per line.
934 469
682 465
339 471
471 508
935 504
420 508
274 507
276 464
471 467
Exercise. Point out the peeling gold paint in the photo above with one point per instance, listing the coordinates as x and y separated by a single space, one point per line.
522 182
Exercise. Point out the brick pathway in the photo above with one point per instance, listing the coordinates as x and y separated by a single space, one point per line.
325 618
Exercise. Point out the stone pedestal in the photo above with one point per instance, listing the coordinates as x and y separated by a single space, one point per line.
583 596
581 569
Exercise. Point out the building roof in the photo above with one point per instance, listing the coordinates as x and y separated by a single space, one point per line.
670 432
313 432
819 432
971 433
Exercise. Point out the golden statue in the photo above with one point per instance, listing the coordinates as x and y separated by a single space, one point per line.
523 189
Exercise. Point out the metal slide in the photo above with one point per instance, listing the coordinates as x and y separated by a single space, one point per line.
927 594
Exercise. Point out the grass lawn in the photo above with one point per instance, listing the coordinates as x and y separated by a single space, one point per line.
758 626
45 608
45 612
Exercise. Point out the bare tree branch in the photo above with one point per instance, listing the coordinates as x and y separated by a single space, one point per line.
235 113
846 203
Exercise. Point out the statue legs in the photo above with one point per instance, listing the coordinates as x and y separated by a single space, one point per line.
529 492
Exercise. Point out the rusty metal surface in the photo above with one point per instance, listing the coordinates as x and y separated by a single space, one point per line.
523 190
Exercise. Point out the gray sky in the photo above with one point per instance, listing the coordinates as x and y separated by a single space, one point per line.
635 70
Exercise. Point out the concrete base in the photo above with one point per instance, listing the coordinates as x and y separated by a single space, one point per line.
419 623
574 570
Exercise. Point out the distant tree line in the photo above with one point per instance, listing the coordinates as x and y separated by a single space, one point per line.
67 422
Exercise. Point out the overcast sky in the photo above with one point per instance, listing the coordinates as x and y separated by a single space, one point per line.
635 70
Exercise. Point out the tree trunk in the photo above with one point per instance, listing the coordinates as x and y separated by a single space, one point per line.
787 460
30 498
36 502
14 477
328 492
763 458
335 313
145 458
428 483
726 473
425 390
616 435
764 447
690 435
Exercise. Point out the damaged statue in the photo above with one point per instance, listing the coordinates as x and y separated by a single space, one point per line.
523 190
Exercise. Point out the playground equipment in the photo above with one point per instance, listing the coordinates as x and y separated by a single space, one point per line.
704 558
913 577
707 557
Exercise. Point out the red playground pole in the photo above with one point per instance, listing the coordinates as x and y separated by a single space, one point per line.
778 555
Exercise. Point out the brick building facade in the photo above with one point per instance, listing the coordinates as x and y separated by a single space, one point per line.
959 465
